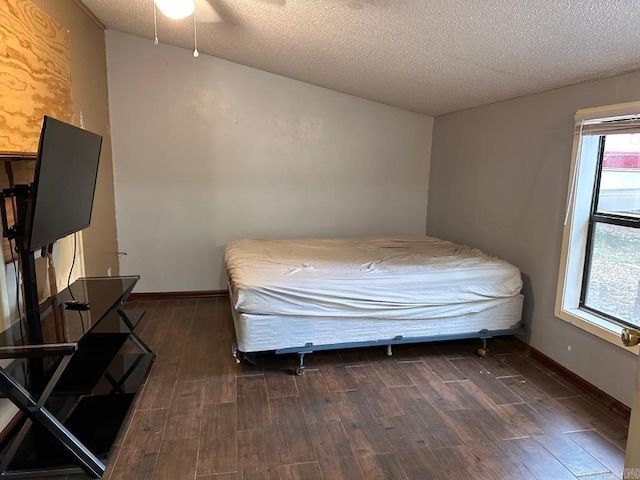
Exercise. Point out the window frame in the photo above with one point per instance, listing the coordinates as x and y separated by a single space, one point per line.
586 162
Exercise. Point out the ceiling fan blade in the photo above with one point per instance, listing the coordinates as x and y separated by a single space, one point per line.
215 11
207 13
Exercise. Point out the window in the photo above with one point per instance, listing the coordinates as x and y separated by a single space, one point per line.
599 279
612 262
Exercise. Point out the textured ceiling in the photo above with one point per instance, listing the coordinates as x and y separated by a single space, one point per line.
428 56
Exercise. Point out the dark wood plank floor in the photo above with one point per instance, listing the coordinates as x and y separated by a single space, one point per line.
432 411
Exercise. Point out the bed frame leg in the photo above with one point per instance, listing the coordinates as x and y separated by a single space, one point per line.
389 351
300 367
250 357
483 351
234 352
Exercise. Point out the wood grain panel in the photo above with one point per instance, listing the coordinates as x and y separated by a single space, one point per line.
199 365
185 414
574 458
253 404
155 329
147 429
433 368
391 373
278 376
460 462
601 476
372 391
497 365
336 457
138 456
574 381
601 449
335 378
486 382
528 418
291 431
538 460
332 433
177 459
158 391
449 395
611 426
457 349
540 377
258 455
218 449
552 410
134 463
365 432
382 466
438 392
421 463
219 476
35 74
221 381
315 398
301 471
35 80
403 431
496 460
175 341
208 332
435 431
495 420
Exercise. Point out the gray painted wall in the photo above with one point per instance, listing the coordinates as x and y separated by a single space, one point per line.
498 181
207 151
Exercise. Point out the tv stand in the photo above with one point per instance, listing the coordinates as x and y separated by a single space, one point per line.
86 373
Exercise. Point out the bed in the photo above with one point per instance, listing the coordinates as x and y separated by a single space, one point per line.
300 296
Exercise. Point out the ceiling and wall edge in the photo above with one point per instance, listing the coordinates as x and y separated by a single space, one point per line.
89 14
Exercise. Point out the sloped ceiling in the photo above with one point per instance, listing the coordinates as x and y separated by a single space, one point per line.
427 56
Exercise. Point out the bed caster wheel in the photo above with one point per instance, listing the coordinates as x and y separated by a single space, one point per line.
482 352
234 353
299 370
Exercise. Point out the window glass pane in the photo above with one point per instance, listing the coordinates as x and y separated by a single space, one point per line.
620 180
614 283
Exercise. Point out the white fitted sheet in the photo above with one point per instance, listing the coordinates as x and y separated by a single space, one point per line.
402 277
257 333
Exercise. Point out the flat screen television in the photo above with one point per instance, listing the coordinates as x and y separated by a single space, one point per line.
61 198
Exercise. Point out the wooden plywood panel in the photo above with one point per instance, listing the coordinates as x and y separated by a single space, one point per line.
35 77
35 80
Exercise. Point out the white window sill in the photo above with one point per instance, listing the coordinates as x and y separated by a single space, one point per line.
596 325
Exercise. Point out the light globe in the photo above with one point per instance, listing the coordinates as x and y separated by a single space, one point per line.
176 9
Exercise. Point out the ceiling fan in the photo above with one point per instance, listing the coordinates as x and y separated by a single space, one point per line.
213 11
202 11
179 9
207 11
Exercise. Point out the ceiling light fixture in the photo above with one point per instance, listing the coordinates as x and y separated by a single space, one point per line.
176 10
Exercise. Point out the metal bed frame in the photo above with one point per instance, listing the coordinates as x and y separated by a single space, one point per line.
301 351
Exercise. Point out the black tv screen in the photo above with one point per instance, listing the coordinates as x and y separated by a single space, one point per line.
64 184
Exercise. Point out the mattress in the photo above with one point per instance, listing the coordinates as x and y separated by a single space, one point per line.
256 333
403 278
